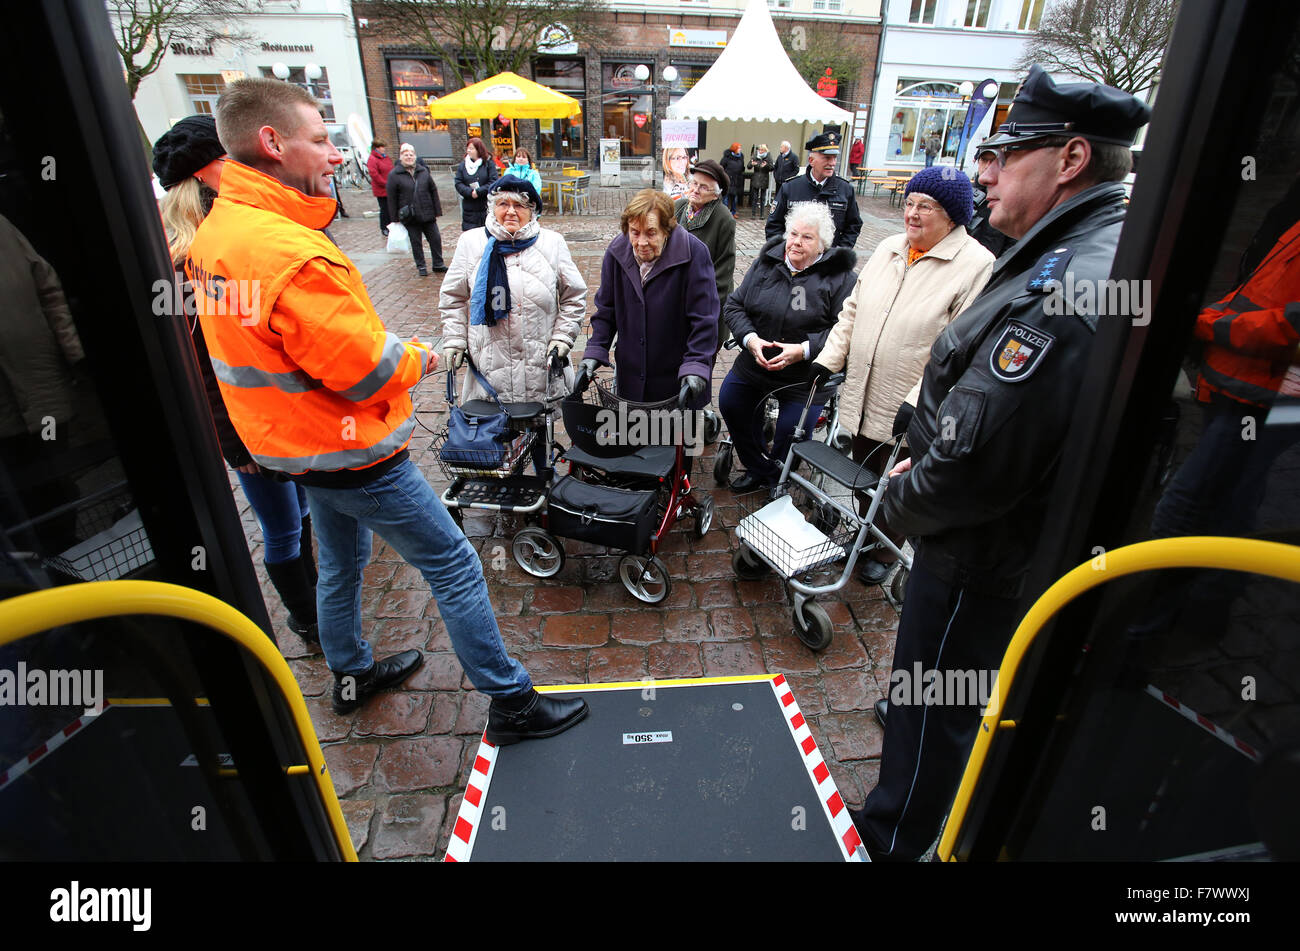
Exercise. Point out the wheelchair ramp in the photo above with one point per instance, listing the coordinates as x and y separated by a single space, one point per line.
718 769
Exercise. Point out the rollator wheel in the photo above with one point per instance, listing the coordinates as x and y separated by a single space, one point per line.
722 464
712 427
646 578
812 625
747 565
538 552
703 514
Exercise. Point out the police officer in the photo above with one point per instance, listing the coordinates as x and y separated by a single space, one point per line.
820 183
978 227
991 418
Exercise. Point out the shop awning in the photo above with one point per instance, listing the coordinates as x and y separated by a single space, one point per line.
754 81
509 95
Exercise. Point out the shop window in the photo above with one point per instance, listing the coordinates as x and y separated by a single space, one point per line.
925 110
416 84
922 11
977 13
1031 13
627 109
319 88
561 138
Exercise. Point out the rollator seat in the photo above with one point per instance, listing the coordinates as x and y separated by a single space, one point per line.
836 465
648 462
518 412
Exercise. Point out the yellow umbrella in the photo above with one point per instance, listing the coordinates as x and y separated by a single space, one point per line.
506 94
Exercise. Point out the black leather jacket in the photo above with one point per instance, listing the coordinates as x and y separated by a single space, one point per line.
997 398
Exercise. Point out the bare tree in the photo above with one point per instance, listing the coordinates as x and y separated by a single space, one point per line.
480 38
1117 42
144 30
814 49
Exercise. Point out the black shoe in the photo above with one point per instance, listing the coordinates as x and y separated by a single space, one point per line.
440 268
747 483
871 571
532 716
352 690
881 710
424 272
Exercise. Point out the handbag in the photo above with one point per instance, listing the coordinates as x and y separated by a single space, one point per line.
476 442
602 514
406 213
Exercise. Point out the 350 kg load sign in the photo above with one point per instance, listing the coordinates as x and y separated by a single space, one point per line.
663 736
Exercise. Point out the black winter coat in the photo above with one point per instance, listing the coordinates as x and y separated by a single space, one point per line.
473 211
1003 380
983 232
767 303
761 167
787 167
415 188
734 165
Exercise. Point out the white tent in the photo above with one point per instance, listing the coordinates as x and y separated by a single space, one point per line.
754 81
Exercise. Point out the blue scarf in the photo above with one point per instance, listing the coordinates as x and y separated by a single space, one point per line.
494 275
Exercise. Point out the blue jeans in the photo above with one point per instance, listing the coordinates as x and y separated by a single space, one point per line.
741 405
280 508
402 507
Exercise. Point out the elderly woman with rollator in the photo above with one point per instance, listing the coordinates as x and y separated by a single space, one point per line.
511 297
913 286
782 314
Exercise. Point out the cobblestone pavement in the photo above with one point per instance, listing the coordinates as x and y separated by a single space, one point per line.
401 763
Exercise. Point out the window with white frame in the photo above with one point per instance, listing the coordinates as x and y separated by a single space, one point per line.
922 11
977 13
203 90
1031 13
779 4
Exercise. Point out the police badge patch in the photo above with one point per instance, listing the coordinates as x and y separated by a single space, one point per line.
1019 352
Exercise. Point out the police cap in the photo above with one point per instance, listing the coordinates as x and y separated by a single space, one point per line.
1095 112
828 143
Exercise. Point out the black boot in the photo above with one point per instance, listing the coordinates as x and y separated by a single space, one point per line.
305 552
290 582
352 690
531 716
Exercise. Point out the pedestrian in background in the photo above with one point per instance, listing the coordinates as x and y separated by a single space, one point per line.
473 176
761 165
733 163
413 200
379 166
786 167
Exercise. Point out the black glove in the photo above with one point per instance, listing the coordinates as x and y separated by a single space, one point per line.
903 418
694 385
819 373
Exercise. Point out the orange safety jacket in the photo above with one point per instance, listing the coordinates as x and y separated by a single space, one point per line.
1253 332
312 380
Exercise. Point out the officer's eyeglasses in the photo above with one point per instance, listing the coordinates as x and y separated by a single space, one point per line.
1002 151
923 208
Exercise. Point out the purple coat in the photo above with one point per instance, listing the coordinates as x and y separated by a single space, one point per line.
667 329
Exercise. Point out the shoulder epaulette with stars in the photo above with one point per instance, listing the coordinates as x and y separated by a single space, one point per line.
1050 267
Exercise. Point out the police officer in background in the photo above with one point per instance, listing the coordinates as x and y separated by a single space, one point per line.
991 419
820 183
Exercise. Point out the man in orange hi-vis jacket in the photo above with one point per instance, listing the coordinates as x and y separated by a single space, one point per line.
318 390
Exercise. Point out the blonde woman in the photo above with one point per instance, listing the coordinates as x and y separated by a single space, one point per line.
675 164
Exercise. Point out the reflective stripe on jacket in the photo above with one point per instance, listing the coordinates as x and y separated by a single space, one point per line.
311 378
1253 332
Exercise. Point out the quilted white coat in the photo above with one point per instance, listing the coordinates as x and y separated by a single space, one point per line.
548 300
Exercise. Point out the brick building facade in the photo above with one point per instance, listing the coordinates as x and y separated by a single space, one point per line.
400 76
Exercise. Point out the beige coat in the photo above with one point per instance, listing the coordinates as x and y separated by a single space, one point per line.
890 321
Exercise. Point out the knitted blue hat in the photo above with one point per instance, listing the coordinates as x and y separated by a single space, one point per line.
948 187
512 183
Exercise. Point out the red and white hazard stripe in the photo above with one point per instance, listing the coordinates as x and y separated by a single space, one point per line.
46 748
846 834
471 807
1205 723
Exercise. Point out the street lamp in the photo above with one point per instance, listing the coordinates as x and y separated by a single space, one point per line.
669 74
280 71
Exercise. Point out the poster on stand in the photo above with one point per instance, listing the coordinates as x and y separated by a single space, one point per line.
610 152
